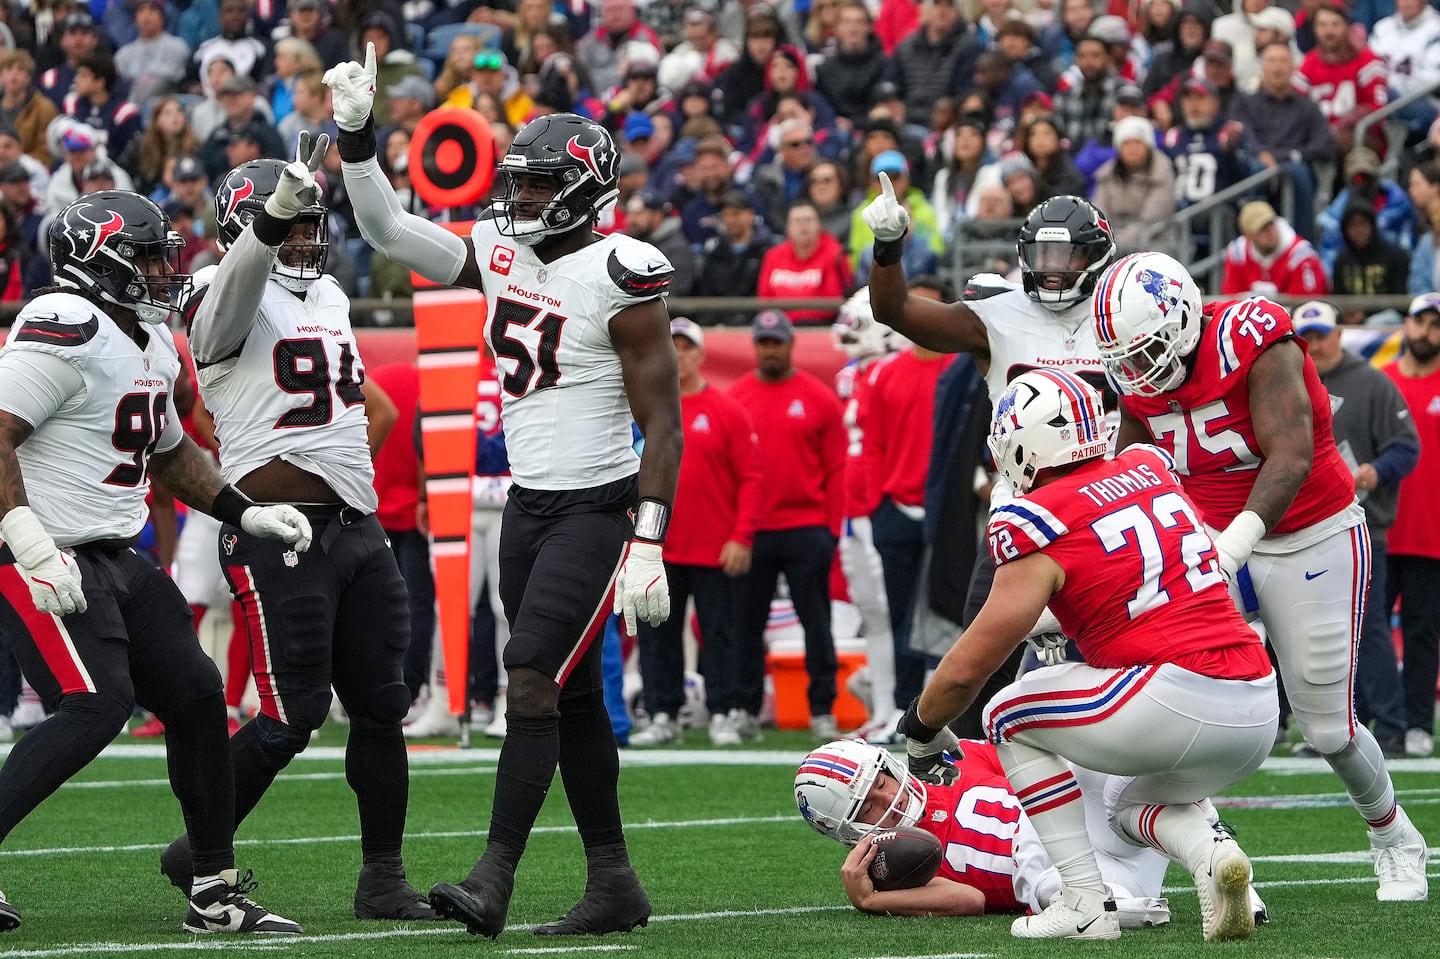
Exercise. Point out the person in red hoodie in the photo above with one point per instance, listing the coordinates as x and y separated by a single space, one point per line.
810 262
1270 258
799 424
711 533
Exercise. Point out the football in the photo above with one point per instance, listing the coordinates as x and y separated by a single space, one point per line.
905 858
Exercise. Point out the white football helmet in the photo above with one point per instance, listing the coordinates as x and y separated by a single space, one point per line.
856 333
834 781
1046 418
1147 321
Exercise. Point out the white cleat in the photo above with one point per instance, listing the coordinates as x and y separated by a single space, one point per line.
1401 865
1143 912
1071 915
220 904
496 728
722 731
662 730
1223 884
436 721
1257 905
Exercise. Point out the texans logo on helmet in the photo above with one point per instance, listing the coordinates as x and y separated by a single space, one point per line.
237 194
593 156
103 231
1163 289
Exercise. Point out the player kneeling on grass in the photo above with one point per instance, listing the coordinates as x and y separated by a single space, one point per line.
1176 699
993 861
86 416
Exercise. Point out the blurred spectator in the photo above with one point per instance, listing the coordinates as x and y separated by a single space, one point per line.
183 221
828 191
78 39
81 146
1059 38
1215 67
494 76
391 54
1425 196
848 75
716 178
1129 102
1115 33
1367 264
702 55
601 50
1041 139
15 257
1017 40
309 20
93 100
459 65
98 175
1022 181
1006 85
1211 152
294 58
781 181
189 185
798 422
649 217
1239 30
1136 189
1414 544
1085 96
638 92
962 155
786 75
199 22
410 99
1288 128
155 61
11 152
1270 258
1346 81
936 59
1175 57
15 190
236 41
1271 25
923 227
735 17
1394 215
311 113
167 136
744 79
22 106
819 35
210 112
243 120
1409 42
731 262
808 263
895 21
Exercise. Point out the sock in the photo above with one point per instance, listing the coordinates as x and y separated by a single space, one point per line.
237 659
1361 767
378 772
590 770
203 782
198 613
1052 800
522 779
1179 831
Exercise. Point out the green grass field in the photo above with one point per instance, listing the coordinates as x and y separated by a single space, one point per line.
730 867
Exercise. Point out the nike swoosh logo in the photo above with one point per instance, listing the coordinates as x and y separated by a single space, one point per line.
1087 925
1309 575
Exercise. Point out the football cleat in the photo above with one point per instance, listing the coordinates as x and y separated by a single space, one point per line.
614 901
1071 915
1143 912
662 730
1401 864
480 900
220 904
722 731
9 915
384 893
177 864
1223 885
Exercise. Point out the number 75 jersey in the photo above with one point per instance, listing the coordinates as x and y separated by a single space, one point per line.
567 416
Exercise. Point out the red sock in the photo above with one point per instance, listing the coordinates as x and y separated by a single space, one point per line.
238 661
199 613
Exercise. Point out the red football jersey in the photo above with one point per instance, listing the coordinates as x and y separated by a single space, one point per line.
1142 580
1205 424
976 818
853 384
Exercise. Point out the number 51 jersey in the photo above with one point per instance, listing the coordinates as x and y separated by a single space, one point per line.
567 417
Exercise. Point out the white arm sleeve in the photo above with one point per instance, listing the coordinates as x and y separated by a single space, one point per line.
430 250
34 385
173 433
227 307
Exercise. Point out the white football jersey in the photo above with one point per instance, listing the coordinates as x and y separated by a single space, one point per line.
293 391
567 418
86 466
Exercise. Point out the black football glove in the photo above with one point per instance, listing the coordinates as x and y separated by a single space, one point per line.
925 748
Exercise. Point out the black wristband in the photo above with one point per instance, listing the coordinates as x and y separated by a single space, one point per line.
889 252
357 146
270 230
911 727
230 505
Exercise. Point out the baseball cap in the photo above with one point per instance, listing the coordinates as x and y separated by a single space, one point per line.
150 3
1199 85
187 168
1130 95
772 325
412 87
246 133
13 172
1315 316
379 20
890 161
175 209
699 17
652 200
736 200
640 68
79 138
239 83
684 151
306 5
1424 303
638 125
696 88
688 328
98 168
1362 160
1109 29
79 20
1274 18
1218 50
630 164
1255 216
885 90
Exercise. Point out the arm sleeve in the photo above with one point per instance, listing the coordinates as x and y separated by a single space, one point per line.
173 434
219 316
34 385
432 251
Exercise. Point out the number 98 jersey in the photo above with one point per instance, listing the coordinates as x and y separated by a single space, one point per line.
567 417
98 418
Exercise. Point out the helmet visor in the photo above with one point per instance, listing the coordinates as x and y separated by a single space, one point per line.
157 272
1059 264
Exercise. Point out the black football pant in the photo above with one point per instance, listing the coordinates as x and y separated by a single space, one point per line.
662 652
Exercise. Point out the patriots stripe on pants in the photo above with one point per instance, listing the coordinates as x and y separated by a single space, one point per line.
1359 583
1049 794
1074 707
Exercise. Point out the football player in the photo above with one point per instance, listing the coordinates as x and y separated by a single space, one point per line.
1230 392
87 415
994 863
1178 698
279 372
580 329
1064 245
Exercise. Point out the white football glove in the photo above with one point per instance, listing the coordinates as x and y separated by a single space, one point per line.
297 190
1236 542
285 523
1048 639
352 91
641 590
885 217
53 576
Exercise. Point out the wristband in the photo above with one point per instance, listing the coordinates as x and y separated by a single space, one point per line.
357 146
889 252
269 229
913 728
652 519
230 505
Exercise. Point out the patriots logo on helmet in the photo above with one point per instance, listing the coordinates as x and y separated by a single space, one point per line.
594 156
103 232
238 194
1164 290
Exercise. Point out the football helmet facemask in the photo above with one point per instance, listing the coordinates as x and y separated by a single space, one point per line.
118 246
857 333
1065 244
1147 322
242 193
834 781
1046 418
577 160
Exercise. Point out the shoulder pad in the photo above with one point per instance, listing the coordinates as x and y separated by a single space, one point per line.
57 320
982 286
638 269
199 286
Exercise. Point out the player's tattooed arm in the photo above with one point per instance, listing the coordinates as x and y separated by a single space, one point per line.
13 432
641 335
946 327
189 473
1281 416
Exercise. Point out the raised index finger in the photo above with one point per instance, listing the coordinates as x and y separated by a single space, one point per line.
370 62
886 188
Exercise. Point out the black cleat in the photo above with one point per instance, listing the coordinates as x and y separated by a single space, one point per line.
178 865
384 893
614 901
480 901
9 915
